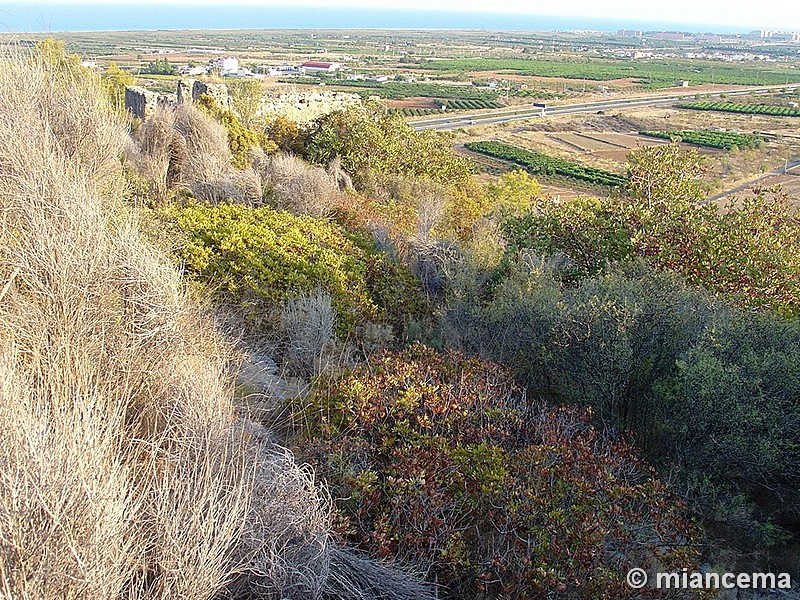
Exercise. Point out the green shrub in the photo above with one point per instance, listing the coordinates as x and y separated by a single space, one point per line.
732 416
513 192
748 253
707 390
259 257
367 138
592 233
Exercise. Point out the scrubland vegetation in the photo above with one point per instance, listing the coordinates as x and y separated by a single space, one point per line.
499 395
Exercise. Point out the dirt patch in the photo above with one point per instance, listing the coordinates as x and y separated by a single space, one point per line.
789 184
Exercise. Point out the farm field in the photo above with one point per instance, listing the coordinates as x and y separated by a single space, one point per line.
426 71
604 141
553 186
788 183
539 163
747 109
724 140
653 74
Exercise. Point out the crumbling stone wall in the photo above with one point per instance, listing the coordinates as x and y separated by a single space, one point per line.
303 107
218 91
184 90
140 102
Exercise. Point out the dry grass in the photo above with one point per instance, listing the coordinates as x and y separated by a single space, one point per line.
181 149
297 186
124 470
309 324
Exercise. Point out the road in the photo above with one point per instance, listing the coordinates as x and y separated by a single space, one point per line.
505 115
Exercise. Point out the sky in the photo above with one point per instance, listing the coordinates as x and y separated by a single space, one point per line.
777 14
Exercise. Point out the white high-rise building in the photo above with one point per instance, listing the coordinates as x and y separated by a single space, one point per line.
225 64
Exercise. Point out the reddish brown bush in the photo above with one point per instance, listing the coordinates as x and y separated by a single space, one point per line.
438 460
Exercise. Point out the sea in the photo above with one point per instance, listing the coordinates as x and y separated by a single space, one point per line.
30 17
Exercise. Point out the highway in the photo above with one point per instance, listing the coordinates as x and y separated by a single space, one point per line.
492 117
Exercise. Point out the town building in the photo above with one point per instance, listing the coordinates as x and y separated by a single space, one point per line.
225 64
284 71
323 67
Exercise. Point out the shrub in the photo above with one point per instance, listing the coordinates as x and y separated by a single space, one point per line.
309 323
241 139
733 424
749 253
257 258
513 192
708 391
286 135
181 150
592 233
247 96
413 210
367 138
665 178
126 472
438 460
298 187
260 257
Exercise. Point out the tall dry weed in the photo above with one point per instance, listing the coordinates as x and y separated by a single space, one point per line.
180 149
124 470
298 187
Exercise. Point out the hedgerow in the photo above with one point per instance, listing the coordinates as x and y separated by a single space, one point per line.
541 164
725 140
746 109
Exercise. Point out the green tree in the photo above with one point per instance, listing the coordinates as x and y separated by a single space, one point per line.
115 80
665 176
513 192
160 67
368 139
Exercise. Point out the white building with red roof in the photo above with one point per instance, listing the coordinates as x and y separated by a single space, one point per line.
313 65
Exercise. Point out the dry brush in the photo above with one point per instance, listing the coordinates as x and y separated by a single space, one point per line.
125 471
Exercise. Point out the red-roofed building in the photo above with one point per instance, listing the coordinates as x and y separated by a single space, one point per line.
313 65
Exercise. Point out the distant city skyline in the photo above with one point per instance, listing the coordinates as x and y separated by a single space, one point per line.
734 15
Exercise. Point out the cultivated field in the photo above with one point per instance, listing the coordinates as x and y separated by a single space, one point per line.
604 141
